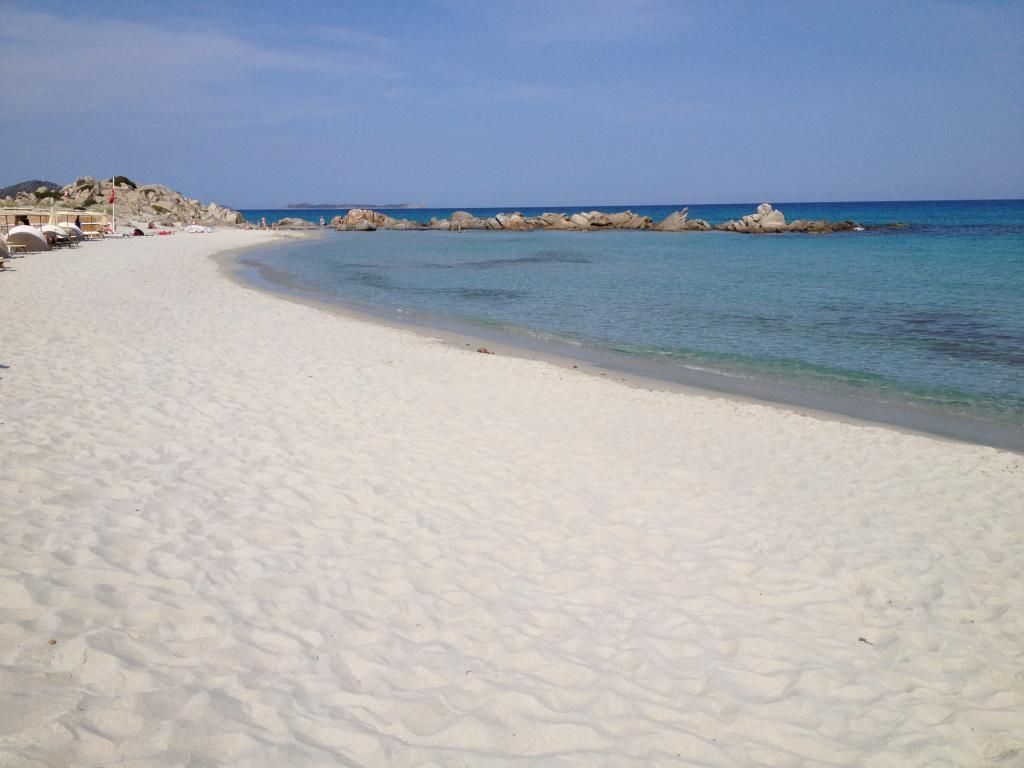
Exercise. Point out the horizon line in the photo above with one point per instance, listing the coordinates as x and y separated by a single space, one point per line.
412 207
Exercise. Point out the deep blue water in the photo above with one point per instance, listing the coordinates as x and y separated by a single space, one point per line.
926 320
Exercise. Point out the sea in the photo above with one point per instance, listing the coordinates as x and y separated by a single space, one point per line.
919 325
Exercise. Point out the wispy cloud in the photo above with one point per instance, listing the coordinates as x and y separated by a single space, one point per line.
544 22
482 95
141 66
349 36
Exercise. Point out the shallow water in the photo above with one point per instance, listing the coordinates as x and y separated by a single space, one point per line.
927 319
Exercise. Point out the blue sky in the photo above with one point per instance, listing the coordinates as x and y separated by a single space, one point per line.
546 102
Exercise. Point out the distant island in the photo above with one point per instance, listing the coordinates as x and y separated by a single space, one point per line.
334 206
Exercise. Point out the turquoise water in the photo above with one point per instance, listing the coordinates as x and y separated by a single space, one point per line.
922 325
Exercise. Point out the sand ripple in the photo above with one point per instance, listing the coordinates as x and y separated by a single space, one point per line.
262 535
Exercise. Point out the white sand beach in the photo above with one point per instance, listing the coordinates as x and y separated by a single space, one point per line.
239 530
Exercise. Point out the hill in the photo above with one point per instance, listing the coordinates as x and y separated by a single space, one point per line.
136 203
33 185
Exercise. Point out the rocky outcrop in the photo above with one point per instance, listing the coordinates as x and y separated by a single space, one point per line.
363 220
515 222
820 227
766 220
680 221
290 222
461 220
590 220
147 203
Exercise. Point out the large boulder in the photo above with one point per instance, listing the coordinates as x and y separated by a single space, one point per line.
291 222
514 222
629 220
680 221
556 221
404 224
365 220
220 215
771 220
465 220
766 220
675 221
567 224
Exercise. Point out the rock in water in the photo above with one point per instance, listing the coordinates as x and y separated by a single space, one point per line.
290 222
465 220
679 221
766 220
365 220
675 221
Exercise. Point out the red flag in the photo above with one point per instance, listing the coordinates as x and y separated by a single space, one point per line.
112 197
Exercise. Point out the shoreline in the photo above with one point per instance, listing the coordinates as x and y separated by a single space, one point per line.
636 372
240 530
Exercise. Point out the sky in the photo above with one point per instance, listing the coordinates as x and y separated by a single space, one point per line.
533 102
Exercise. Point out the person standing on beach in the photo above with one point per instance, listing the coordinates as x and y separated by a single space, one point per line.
322 222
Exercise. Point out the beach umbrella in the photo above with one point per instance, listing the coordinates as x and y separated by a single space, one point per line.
30 237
